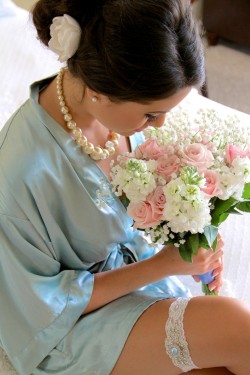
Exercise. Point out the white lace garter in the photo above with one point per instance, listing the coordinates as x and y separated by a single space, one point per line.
175 343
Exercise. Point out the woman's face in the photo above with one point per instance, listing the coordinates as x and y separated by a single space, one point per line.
127 118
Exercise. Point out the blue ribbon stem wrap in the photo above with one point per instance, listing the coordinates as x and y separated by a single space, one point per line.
207 278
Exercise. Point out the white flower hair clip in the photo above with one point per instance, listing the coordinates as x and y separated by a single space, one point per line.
65 34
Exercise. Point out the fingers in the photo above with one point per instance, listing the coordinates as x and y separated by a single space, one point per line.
220 242
214 262
217 264
213 258
196 278
216 284
217 273
206 260
219 269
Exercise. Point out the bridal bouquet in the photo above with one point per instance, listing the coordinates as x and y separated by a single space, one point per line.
185 179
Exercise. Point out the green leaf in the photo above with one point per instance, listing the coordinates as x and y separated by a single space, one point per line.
211 233
220 207
215 244
233 210
193 240
186 252
246 191
243 206
207 291
223 217
203 241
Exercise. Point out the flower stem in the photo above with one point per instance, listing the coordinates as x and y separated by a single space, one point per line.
207 291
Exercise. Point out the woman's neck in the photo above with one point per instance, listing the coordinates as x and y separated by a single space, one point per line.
91 128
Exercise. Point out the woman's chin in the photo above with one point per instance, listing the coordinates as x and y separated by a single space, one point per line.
128 133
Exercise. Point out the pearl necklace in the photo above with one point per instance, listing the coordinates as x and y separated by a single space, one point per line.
95 152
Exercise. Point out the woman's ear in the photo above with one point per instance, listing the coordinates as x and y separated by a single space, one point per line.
91 94
96 96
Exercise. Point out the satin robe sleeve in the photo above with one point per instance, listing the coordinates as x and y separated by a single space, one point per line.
40 301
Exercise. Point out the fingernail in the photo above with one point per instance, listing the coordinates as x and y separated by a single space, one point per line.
212 288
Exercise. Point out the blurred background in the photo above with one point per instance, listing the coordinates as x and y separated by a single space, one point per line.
226 22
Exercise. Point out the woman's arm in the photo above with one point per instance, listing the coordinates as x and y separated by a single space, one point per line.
113 284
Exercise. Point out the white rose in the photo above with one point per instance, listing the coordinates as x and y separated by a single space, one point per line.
65 37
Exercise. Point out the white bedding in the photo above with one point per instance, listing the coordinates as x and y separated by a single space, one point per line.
23 60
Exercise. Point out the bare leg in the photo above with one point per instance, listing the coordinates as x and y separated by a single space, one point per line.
226 329
217 330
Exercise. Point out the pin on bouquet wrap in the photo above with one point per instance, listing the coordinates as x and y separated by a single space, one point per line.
185 179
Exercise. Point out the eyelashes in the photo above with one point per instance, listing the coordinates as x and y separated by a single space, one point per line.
151 118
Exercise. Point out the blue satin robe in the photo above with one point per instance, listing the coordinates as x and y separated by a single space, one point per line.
55 234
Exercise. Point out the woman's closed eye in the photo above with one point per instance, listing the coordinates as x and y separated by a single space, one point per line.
150 117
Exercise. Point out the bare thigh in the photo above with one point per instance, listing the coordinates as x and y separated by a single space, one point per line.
206 323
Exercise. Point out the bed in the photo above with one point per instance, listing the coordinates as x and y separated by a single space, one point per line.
24 60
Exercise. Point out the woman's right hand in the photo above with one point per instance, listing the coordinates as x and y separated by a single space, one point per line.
170 259
110 285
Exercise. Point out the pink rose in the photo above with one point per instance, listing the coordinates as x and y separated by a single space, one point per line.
157 199
145 214
167 165
149 150
197 155
211 188
235 151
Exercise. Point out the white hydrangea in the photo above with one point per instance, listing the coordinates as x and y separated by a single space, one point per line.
160 234
233 179
135 179
187 209
241 169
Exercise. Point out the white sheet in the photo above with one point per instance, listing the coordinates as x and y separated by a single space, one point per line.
23 60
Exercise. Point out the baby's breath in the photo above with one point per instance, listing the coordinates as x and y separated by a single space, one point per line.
188 205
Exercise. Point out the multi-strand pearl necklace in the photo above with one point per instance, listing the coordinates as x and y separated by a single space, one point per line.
95 152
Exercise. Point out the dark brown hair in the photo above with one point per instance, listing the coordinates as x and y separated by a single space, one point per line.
130 50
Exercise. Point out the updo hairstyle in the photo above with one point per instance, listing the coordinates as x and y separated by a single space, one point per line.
130 50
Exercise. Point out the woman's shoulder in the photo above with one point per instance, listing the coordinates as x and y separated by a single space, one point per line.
19 133
25 147
26 133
